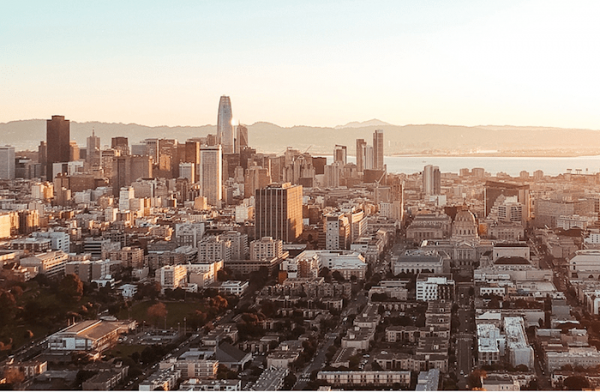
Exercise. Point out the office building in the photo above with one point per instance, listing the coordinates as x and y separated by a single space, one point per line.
7 163
361 154
121 144
241 139
127 169
93 150
432 180
278 212
493 190
58 143
340 154
225 132
211 172
378 149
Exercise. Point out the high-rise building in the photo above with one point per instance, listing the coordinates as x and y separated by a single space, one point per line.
58 142
256 178
211 173
225 134
241 139
73 151
93 150
378 149
494 189
278 212
121 144
432 181
127 169
340 154
361 152
7 163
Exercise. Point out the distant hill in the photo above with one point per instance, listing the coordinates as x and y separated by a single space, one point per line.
355 124
408 139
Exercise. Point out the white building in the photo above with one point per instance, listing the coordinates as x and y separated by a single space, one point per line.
234 287
585 263
125 195
172 277
7 162
59 240
204 274
214 248
419 260
491 344
211 168
519 350
89 335
432 287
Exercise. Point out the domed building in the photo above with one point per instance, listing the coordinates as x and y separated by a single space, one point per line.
464 226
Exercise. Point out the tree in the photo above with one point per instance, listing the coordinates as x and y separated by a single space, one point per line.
157 312
14 376
576 383
338 276
522 368
289 381
71 288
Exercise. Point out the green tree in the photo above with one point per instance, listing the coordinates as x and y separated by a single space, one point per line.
576 383
71 288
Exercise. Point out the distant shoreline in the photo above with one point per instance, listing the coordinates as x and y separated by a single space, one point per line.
503 154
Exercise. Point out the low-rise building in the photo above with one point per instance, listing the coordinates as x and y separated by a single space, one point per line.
89 335
162 380
433 287
365 378
51 264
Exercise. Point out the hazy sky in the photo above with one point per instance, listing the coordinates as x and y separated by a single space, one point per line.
320 63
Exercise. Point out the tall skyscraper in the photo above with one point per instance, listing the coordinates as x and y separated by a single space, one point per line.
278 212
432 181
225 134
340 154
7 163
211 173
58 139
241 138
93 150
361 152
378 149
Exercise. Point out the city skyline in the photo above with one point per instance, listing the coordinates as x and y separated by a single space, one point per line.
319 64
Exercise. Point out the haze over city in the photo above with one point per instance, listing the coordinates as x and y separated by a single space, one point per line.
526 63
315 195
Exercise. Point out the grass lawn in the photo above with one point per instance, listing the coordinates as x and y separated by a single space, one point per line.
176 311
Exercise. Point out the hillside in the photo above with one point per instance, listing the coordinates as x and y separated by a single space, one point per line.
407 139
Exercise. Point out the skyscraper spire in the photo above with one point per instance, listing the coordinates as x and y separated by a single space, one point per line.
225 131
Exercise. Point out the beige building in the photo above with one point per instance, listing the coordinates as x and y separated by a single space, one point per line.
266 248
52 264
278 212
172 277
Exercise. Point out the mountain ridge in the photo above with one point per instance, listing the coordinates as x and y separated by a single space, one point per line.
399 139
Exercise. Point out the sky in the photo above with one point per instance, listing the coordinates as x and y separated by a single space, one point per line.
317 63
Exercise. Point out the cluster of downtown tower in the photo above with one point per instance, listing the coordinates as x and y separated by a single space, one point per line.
204 170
